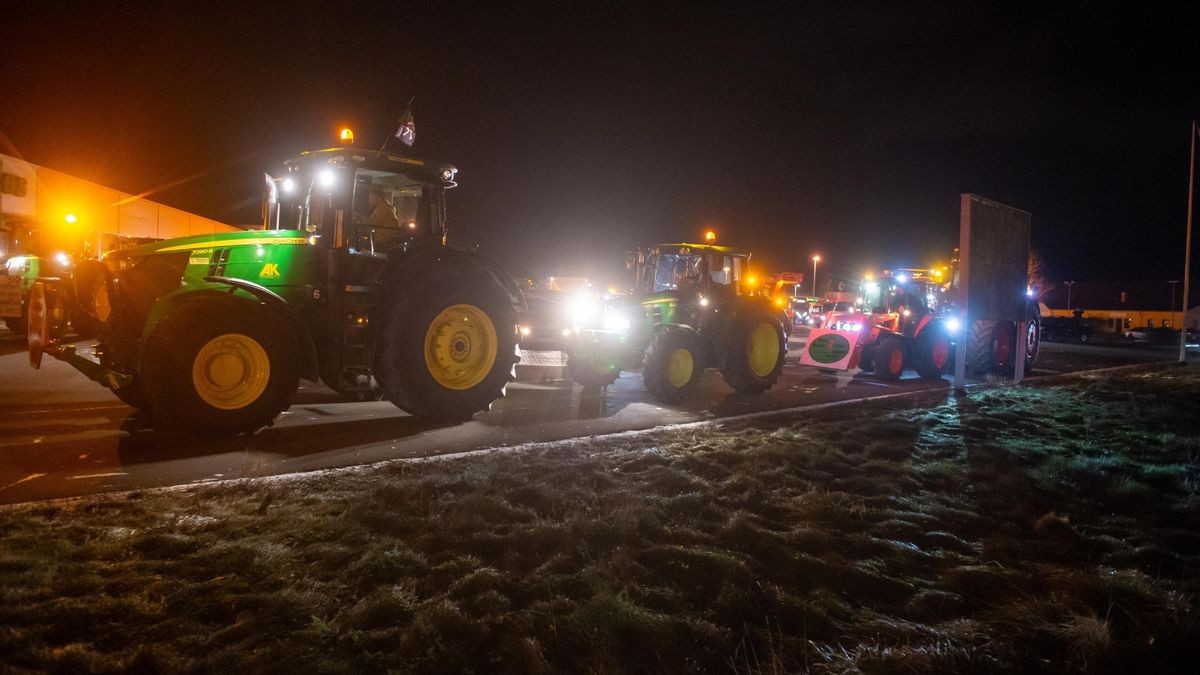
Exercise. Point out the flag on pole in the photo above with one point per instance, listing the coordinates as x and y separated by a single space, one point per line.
407 132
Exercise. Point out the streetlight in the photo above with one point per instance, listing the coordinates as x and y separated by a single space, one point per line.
1069 285
816 259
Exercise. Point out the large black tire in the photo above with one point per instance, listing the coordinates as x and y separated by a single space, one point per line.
91 289
133 394
756 349
889 358
218 368
931 355
1033 334
673 364
589 368
435 371
990 346
58 312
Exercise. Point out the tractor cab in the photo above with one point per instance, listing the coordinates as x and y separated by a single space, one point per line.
685 269
363 203
899 301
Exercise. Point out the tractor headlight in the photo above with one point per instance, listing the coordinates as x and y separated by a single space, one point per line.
953 325
62 258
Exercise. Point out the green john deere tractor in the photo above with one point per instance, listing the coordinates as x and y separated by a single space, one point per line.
210 334
689 311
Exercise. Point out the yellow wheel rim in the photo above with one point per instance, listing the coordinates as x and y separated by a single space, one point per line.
680 368
460 347
231 371
763 349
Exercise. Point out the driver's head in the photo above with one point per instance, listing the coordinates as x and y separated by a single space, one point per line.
375 197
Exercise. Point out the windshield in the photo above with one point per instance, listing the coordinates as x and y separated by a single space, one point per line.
890 296
674 272
373 210
390 209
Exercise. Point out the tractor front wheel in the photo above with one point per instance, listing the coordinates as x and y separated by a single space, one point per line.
217 368
590 369
932 352
889 359
673 364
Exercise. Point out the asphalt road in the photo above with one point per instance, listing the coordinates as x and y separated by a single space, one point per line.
62 435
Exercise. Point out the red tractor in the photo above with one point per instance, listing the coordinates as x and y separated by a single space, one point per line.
902 324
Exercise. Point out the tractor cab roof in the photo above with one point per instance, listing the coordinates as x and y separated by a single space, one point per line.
438 172
688 249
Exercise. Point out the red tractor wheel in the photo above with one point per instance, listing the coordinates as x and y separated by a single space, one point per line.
889 359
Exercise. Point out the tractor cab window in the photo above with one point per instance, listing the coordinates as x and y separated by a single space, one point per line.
389 210
724 272
676 272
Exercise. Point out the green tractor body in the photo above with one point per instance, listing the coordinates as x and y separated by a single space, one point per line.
688 312
55 272
211 333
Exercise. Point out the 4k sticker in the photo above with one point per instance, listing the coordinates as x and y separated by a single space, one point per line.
269 271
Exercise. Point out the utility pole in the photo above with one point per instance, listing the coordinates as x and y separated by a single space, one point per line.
1173 302
1069 285
1187 247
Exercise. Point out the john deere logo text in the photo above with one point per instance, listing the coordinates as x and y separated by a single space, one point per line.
829 348
269 271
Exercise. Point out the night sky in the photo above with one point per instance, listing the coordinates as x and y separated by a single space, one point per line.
580 133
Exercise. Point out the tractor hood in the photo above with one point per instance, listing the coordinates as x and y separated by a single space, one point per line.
208 241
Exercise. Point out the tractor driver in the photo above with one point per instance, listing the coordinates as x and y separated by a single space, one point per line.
382 213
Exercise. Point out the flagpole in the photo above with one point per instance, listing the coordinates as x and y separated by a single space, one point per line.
407 109
1187 248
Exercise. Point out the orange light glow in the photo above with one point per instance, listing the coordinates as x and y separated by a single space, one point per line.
71 219
710 237
347 135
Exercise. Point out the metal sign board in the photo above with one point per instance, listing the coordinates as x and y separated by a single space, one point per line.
830 348
994 259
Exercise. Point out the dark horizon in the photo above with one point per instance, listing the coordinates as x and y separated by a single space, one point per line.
580 134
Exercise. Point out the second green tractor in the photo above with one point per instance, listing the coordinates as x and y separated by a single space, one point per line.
689 311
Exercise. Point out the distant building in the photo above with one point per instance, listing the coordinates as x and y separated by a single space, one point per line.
44 208
1117 306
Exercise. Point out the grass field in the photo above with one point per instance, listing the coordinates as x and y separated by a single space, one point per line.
1043 528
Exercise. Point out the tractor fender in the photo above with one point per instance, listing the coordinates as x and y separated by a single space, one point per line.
927 322
410 271
222 290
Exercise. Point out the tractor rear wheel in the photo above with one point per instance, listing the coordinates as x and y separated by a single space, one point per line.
218 368
448 350
990 346
932 355
673 364
756 350
889 358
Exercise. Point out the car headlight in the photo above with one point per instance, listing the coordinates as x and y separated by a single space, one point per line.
582 310
615 321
